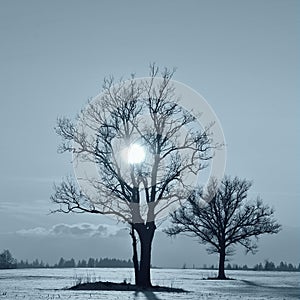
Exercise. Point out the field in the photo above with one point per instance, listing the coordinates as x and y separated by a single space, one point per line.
47 284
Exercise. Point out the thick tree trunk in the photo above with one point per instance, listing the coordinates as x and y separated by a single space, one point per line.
146 234
145 262
221 274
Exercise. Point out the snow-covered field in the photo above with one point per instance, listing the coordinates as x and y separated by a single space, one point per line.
47 284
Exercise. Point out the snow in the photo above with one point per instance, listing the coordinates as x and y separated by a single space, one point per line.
47 284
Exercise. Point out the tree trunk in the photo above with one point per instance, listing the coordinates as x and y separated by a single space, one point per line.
146 234
145 262
221 274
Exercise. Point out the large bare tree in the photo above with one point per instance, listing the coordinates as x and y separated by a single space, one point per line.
225 221
145 114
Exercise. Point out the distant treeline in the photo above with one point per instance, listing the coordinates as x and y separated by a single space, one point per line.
71 263
8 262
266 266
270 266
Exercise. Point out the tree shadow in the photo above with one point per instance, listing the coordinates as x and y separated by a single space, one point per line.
252 283
149 295
280 288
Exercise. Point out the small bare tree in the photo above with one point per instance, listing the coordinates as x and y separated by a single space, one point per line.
147 113
227 220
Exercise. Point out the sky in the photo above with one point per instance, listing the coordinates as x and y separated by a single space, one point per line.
241 56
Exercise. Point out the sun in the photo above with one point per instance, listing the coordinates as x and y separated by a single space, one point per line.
136 154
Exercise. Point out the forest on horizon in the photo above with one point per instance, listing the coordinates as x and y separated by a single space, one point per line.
8 262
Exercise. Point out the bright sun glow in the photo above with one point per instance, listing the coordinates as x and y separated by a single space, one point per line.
136 154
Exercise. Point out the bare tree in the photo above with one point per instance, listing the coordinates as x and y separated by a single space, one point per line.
144 112
227 220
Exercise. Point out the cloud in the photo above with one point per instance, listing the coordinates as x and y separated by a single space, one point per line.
75 230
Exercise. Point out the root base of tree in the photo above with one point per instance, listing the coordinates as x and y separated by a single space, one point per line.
217 278
113 286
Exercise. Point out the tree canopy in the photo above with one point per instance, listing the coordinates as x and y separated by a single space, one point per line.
143 113
7 261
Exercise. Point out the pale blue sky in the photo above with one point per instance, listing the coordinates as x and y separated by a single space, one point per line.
241 56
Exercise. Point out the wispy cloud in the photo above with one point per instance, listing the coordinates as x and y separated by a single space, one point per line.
75 230
28 179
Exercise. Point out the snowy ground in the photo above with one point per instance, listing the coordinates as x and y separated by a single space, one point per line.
46 284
